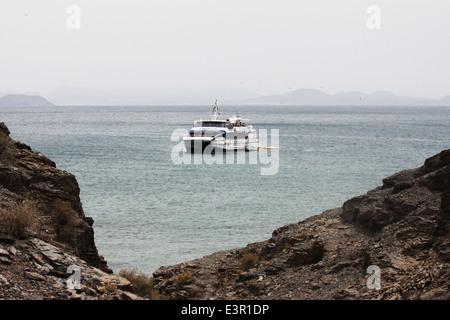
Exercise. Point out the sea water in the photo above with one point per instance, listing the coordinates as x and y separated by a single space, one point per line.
149 211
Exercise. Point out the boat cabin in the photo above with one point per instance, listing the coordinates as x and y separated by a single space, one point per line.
213 124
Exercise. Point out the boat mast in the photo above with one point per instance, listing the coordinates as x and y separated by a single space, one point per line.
216 112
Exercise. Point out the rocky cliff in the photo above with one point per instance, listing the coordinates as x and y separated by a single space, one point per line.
391 243
45 237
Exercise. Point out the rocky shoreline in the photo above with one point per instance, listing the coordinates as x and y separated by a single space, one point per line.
402 229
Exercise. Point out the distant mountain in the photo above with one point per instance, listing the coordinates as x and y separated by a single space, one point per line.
308 96
446 100
350 98
23 100
68 95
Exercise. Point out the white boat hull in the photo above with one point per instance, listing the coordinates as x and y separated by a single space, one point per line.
199 144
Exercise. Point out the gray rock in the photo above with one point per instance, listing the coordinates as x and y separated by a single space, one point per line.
5 260
33 276
4 280
12 250
30 296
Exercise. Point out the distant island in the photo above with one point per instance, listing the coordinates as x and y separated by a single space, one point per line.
68 95
76 96
23 100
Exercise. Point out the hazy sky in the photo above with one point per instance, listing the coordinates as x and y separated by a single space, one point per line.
264 46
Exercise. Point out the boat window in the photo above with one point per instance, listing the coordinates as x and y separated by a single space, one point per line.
214 124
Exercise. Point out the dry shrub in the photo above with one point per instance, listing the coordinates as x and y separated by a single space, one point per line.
143 284
106 287
184 278
248 260
18 219
66 219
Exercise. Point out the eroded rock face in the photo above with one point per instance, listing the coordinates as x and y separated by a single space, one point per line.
32 269
47 248
417 203
401 227
53 195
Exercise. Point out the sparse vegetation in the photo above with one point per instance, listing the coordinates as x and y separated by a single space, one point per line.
143 284
18 219
248 260
65 218
184 278
107 287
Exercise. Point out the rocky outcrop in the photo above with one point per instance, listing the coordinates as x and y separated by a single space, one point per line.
45 238
396 235
54 194
32 269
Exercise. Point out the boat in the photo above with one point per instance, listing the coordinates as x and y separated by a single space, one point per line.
229 134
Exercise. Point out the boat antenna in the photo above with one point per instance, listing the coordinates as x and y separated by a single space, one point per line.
215 111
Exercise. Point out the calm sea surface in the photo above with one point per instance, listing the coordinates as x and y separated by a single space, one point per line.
149 211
